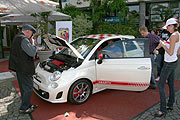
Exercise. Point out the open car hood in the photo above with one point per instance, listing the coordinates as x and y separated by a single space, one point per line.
54 42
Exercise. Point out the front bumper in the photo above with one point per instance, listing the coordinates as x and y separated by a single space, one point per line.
51 95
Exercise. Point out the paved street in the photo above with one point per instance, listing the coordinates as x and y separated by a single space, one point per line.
10 102
173 115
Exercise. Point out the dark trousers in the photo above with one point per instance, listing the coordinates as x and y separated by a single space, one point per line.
167 73
153 81
26 87
160 61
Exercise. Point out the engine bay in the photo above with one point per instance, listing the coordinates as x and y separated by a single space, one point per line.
60 62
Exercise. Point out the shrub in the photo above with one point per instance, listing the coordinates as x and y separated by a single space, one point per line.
117 28
81 25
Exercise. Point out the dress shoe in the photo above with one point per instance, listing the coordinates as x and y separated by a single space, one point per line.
28 111
159 114
34 106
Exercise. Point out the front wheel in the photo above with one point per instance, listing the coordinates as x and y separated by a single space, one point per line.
79 92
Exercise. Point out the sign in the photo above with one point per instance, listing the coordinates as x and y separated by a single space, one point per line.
64 30
155 18
112 19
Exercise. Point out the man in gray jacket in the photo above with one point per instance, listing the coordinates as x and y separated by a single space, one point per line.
21 61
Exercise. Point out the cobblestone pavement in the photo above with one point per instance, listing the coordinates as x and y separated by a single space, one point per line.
10 102
149 113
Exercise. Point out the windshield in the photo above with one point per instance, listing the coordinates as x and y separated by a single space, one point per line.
84 45
67 51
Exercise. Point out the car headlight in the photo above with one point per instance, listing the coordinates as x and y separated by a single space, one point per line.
55 76
54 85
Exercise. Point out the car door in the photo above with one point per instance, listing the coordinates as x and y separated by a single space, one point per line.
129 71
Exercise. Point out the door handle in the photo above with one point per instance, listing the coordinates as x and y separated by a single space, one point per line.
143 68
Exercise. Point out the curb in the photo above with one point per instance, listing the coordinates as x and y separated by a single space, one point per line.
4 76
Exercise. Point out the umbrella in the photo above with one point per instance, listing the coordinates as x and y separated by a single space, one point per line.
27 18
26 6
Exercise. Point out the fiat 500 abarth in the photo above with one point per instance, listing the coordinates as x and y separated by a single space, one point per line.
91 64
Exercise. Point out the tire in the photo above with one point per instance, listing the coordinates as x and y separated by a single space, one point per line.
80 92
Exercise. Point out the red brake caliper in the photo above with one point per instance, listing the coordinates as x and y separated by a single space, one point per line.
76 92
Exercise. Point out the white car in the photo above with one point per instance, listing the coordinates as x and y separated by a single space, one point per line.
89 65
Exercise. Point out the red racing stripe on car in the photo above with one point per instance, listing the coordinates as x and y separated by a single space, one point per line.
138 84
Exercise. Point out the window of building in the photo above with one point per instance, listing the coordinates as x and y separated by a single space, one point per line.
134 8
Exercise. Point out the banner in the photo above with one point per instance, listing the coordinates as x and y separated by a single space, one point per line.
64 30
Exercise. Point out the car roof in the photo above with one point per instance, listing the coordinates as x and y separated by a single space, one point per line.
104 36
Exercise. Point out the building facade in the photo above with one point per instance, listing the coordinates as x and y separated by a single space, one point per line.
149 14
154 12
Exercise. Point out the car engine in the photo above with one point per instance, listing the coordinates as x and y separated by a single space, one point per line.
60 62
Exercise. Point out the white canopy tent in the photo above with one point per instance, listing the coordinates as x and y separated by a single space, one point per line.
26 6
21 18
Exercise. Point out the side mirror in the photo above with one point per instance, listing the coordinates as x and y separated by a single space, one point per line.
100 58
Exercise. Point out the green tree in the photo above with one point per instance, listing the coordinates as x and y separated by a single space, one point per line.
110 8
108 28
81 25
43 21
104 8
70 10
81 21
101 9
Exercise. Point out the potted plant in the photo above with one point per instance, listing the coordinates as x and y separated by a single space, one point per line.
45 51
44 54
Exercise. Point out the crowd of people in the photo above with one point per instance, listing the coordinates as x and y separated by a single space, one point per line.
166 46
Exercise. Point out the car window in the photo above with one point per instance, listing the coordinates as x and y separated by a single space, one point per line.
113 50
129 45
125 49
134 48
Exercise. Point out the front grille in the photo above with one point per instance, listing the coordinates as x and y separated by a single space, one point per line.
37 79
42 93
